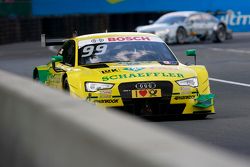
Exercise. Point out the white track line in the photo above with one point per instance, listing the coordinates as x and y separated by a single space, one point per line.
229 82
231 50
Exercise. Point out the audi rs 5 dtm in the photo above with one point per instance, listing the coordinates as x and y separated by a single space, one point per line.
133 72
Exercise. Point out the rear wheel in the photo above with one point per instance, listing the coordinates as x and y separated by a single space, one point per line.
181 35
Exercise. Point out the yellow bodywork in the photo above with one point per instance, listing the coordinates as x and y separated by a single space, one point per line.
117 73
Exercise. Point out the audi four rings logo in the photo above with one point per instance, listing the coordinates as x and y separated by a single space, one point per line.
149 85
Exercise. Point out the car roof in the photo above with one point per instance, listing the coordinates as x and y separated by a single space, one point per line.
183 13
112 34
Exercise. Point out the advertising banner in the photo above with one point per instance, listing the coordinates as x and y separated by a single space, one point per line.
238 19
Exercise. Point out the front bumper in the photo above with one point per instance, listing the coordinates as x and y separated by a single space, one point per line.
168 104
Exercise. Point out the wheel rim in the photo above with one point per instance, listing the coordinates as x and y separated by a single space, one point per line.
221 33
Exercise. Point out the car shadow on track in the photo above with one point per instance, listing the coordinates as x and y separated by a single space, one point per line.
175 118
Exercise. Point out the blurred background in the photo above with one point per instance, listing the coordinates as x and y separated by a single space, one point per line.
25 20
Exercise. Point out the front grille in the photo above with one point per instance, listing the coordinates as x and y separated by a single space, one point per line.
149 106
125 89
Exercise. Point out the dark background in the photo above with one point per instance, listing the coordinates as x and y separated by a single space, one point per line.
16 29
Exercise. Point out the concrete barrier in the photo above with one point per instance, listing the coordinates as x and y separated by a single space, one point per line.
41 127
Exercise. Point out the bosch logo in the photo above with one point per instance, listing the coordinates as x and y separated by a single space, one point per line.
149 85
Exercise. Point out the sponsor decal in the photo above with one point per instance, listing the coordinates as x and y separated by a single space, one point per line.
133 69
110 71
105 93
184 97
236 21
125 91
163 68
134 63
143 93
185 90
168 62
106 101
143 75
100 40
119 39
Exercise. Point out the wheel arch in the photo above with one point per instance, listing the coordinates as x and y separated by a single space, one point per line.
223 24
180 27
42 72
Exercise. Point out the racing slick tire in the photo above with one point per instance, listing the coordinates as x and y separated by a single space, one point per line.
65 84
181 35
220 34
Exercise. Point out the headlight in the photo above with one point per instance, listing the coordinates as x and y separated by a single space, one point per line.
193 82
95 86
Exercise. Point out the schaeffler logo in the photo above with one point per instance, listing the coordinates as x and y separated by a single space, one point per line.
148 85
236 18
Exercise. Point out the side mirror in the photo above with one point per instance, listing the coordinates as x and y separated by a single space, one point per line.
191 52
55 59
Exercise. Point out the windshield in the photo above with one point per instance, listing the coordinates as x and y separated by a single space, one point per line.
166 19
124 51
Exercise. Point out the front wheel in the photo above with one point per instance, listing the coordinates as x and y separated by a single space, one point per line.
181 35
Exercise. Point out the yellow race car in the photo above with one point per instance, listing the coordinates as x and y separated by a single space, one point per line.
130 71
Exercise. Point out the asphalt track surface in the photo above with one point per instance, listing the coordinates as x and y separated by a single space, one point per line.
228 61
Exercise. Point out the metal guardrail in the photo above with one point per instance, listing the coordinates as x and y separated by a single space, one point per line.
41 127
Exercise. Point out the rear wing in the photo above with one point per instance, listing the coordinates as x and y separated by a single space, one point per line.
51 42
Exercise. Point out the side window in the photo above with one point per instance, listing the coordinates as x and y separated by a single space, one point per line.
68 53
208 18
195 18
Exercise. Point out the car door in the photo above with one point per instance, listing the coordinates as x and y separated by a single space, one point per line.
196 25
210 22
68 53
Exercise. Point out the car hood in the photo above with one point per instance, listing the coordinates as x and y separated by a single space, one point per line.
135 71
155 27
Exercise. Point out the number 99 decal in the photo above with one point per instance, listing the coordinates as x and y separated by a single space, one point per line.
94 50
